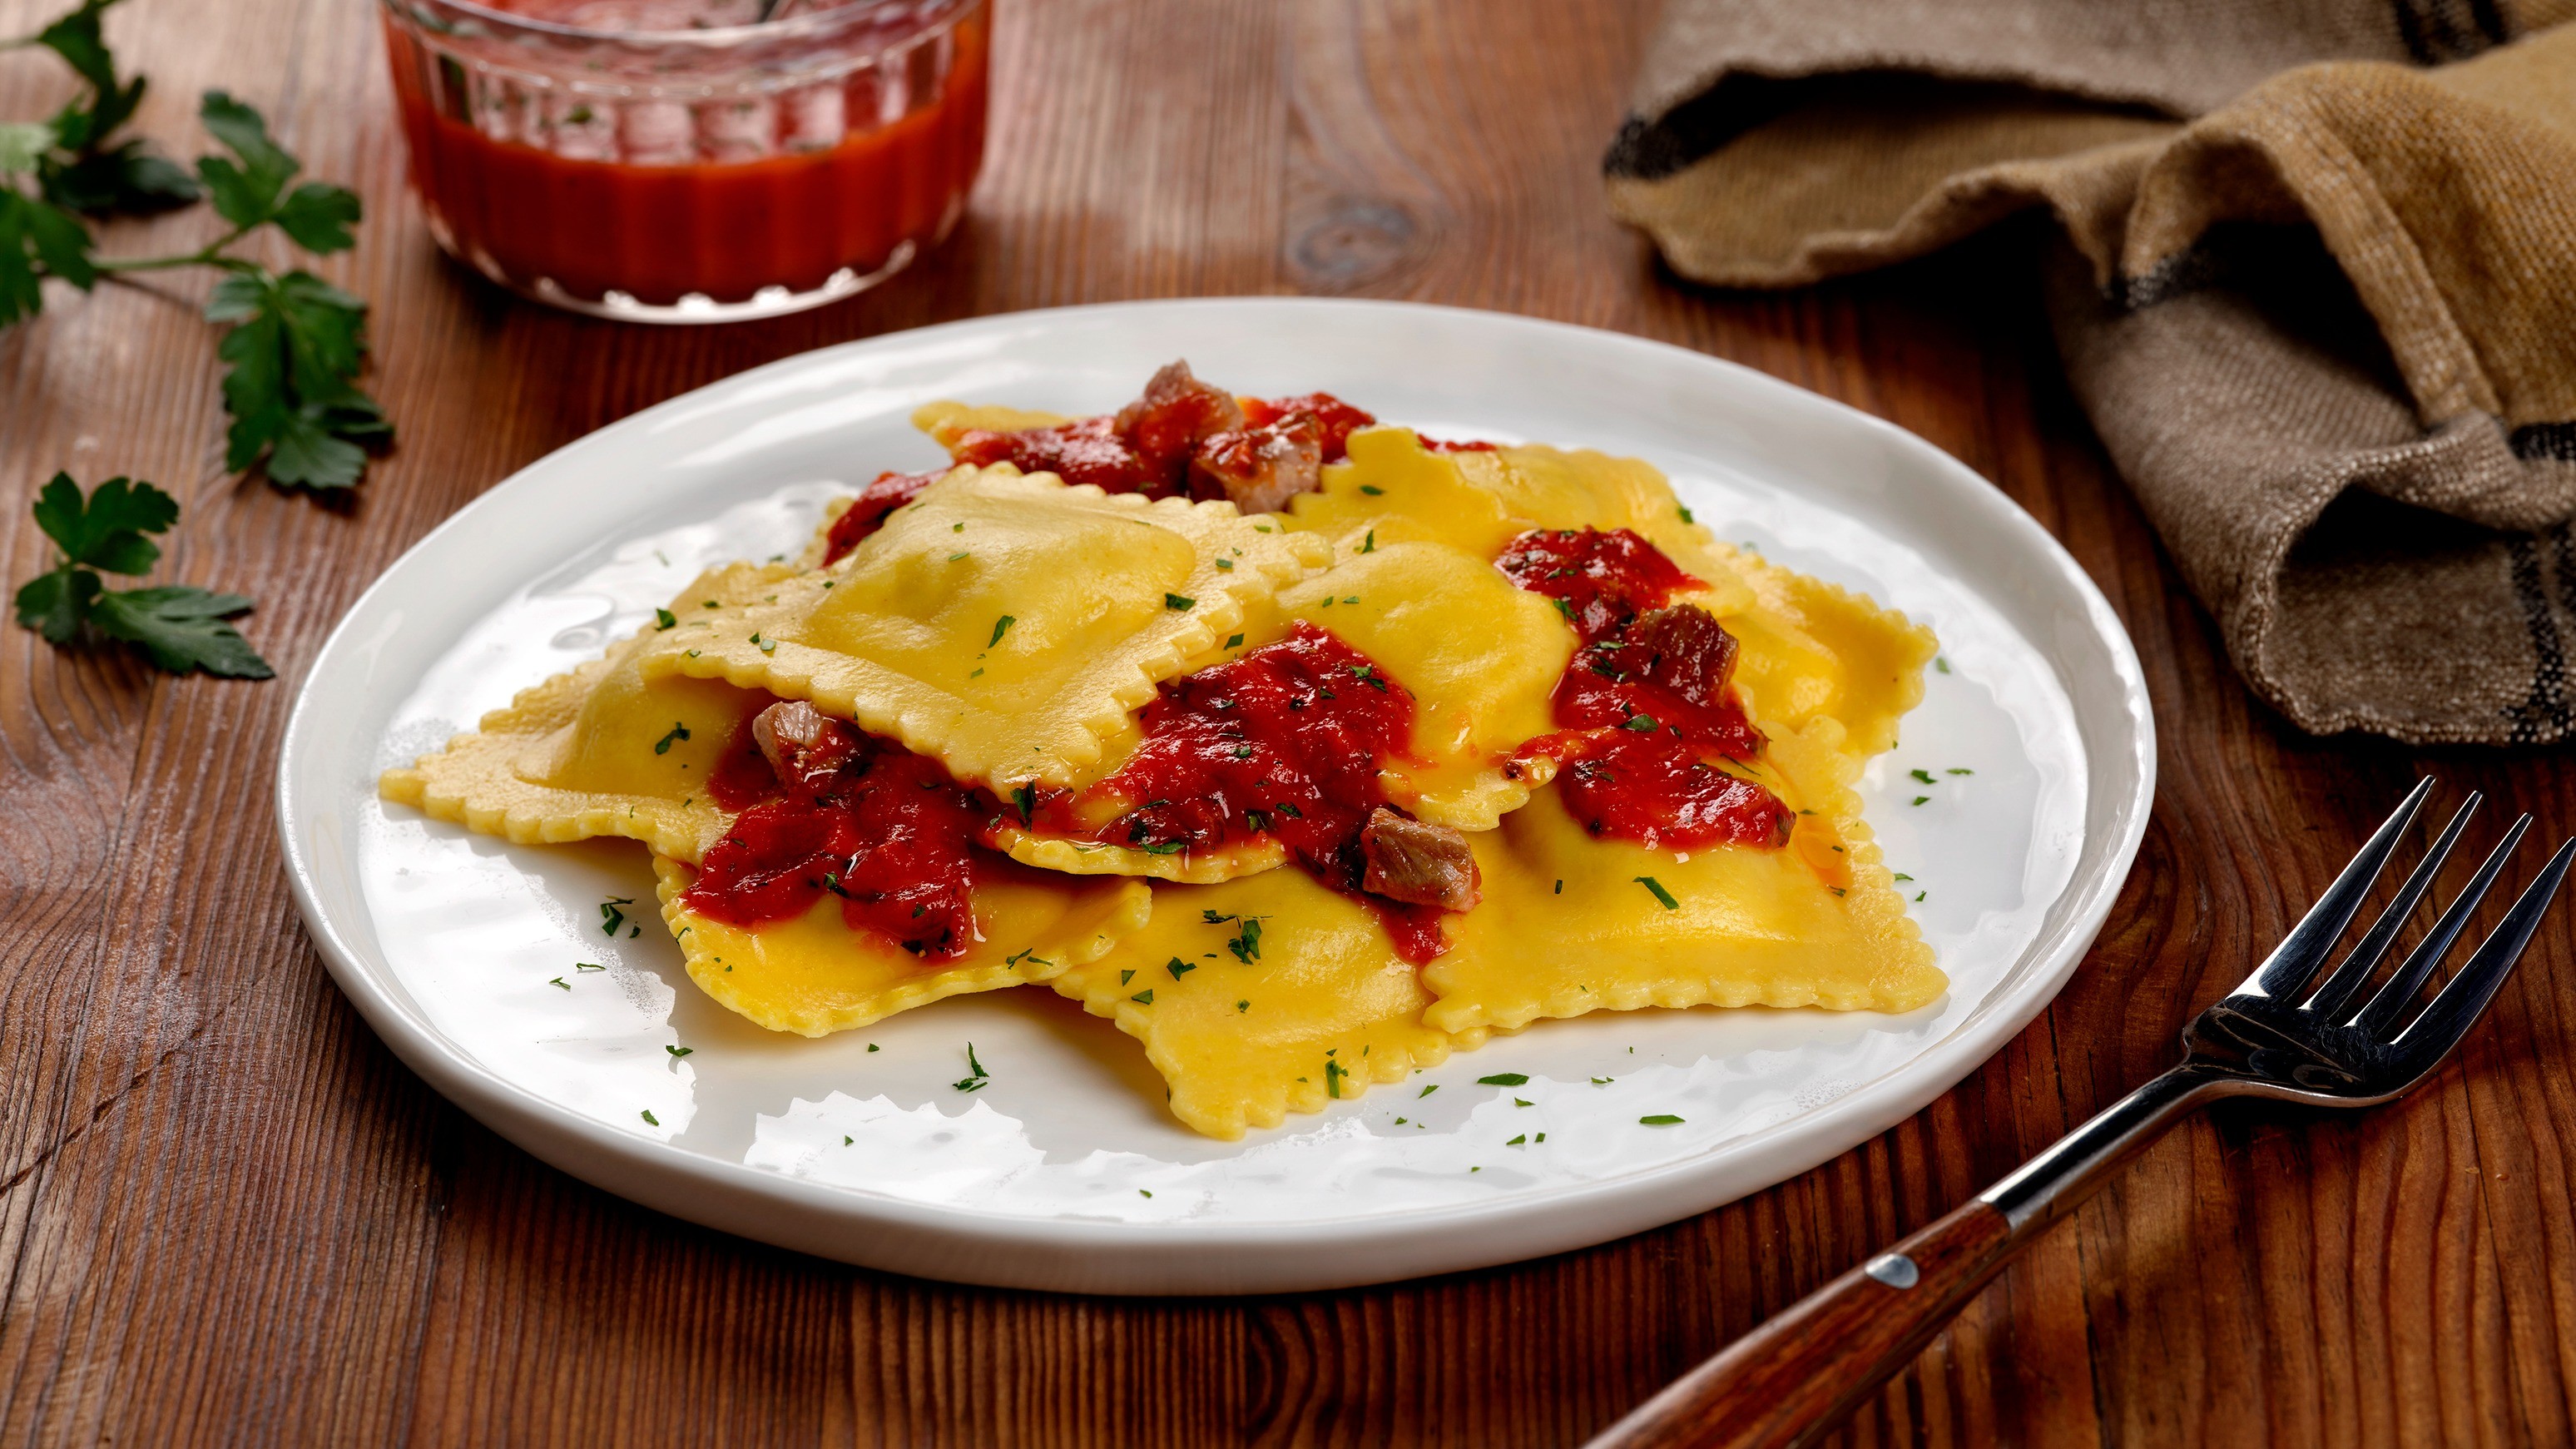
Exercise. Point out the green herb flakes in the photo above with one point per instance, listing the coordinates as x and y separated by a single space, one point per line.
678 1052
679 731
1001 626
1371 489
649 1119
1656 889
1180 968
1517 1141
1659 1119
1179 603
665 619
1144 997
1504 1079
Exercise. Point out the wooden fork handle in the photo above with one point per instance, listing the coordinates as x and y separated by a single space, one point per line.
1798 1376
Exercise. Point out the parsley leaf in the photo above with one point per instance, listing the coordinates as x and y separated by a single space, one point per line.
295 344
182 628
179 626
106 530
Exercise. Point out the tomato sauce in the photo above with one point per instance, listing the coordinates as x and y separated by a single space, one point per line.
1284 742
885 830
725 228
867 512
1151 454
1636 755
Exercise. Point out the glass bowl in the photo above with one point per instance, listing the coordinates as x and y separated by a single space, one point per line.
691 175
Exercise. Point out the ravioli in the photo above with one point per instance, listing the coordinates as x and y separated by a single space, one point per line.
1004 625
1480 657
1317 1008
1816 650
1573 924
815 974
599 750
1478 500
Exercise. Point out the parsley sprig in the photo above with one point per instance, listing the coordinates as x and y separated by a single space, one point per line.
178 626
294 344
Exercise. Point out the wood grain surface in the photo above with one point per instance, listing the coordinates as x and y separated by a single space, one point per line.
228 1216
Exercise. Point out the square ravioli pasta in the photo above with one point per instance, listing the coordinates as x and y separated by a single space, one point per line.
1263 996
814 973
1475 658
1001 624
602 750
1575 923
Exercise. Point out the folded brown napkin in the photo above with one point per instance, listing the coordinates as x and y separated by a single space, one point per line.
2317 287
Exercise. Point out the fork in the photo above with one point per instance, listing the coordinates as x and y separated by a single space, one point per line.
1800 1374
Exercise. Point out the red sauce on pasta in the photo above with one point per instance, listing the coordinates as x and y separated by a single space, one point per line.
885 830
1284 742
1637 756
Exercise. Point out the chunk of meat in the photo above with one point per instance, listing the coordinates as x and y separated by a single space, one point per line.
803 745
889 492
1688 652
1259 469
1165 426
1334 419
1418 863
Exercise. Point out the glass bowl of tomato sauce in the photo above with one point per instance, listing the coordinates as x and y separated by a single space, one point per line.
690 160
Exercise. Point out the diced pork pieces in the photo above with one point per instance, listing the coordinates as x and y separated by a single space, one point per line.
1418 863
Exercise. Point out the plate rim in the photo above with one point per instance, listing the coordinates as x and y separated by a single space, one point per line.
960 1243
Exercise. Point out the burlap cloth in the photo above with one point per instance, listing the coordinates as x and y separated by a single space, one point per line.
2317 287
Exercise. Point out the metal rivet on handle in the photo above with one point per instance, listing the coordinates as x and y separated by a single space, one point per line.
1893 1269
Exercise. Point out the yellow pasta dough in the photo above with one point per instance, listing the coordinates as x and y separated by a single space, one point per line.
815 974
599 750
1479 655
1811 649
1479 500
1004 625
1316 1008
1745 927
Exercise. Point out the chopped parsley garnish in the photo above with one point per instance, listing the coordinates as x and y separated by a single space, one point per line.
1919 895
709 604
1371 489
649 1119
1179 603
1333 1073
665 619
1025 796
975 1076
1241 1007
1256 820
872 1046
679 731
1001 626
611 919
1643 724
1656 888
1144 997
1941 663
1660 1119
1126 976
1180 968
1517 1141
1235 642
767 646
678 1052
1686 513
1246 944
1226 564
1426 1091
954 557
1368 544
1168 847
1957 770
587 966
1143 1193
1289 810
558 981
1601 1081
1504 1079
1367 674
1560 887
1923 775
1562 607
1030 954
1922 799
1900 875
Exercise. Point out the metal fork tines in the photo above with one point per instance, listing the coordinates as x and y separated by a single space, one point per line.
2266 1041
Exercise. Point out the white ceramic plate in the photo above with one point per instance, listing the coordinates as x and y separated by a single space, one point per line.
1065 1172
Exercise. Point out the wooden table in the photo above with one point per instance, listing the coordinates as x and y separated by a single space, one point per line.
228 1215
